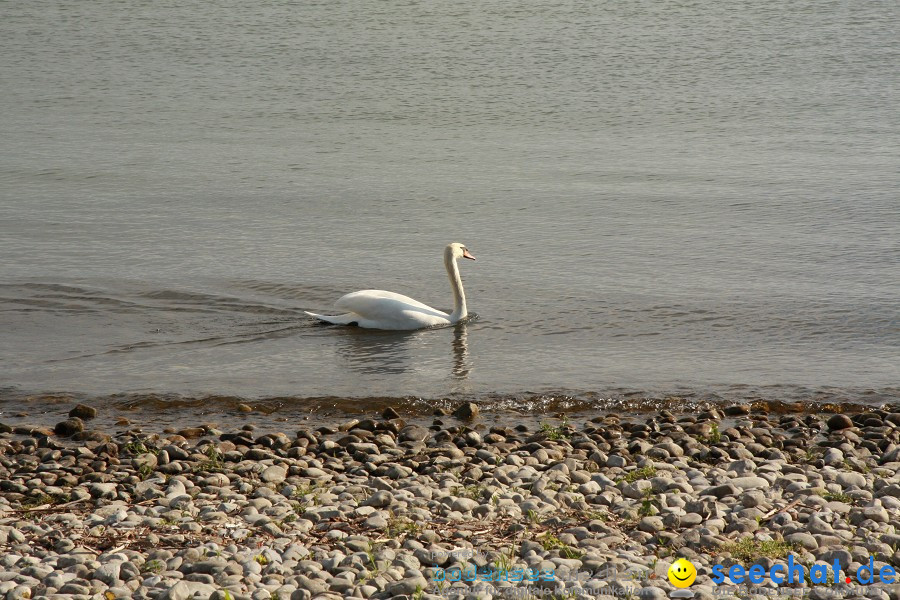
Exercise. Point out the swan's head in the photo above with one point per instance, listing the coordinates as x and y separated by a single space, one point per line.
457 250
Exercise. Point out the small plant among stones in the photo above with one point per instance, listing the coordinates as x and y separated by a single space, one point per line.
551 542
153 566
556 432
213 460
715 436
473 492
642 473
399 525
370 554
136 447
505 560
43 499
261 559
648 506
750 549
145 471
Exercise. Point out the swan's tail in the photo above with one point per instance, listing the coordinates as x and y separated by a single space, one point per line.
347 319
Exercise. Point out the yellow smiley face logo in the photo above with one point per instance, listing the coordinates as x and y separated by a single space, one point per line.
682 573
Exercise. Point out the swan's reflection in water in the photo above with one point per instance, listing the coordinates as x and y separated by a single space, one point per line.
461 365
374 352
377 352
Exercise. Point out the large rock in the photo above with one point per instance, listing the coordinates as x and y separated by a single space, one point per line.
69 427
274 474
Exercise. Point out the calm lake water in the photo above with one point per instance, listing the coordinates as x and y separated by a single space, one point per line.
693 198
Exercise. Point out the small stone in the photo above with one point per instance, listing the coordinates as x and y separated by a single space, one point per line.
91 436
376 521
192 432
833 457
848 478
837 422
390 414
720 491
749 483
108 573
379 499
652 593
651 524
803 539
413 433
467 411
737 410
407 587
244 408
616 461
82 411
463 505
103 490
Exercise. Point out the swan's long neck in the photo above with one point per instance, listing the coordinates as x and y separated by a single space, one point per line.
459 296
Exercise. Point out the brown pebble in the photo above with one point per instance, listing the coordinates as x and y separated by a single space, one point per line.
468 410
839 421
192 432
83 411
245 408
389 413
122 421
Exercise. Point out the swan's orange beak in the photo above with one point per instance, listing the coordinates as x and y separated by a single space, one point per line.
467 255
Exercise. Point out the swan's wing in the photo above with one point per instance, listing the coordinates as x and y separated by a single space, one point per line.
379 305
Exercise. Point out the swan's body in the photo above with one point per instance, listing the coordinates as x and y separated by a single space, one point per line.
378 309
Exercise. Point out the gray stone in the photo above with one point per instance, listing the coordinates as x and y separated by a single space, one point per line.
407 587
803 539
720 491
103 490
848 478
463 505
651 524
652 593
108 573
749 483
274 474
413 433
379 499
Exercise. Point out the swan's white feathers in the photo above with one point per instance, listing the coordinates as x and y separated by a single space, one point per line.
369 303
380 309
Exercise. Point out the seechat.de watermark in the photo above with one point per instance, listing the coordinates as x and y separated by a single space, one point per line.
682 574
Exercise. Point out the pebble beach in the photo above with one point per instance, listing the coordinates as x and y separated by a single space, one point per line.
382 508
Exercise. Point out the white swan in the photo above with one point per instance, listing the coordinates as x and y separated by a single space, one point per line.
378 309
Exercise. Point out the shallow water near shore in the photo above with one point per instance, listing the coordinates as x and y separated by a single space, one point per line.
665 200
